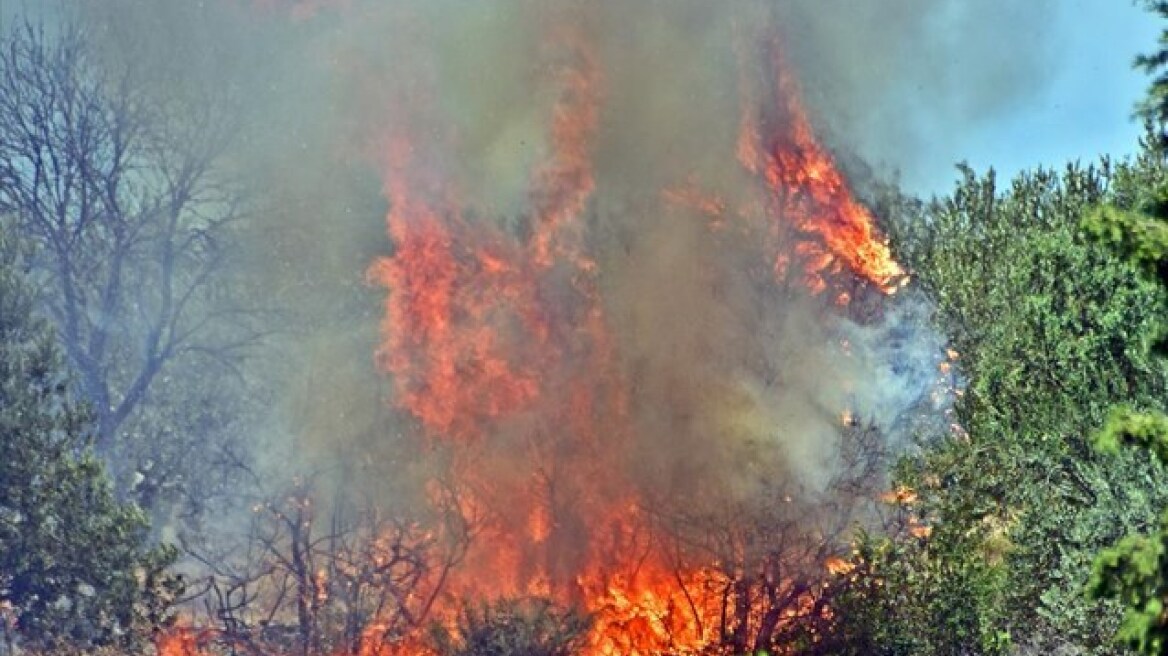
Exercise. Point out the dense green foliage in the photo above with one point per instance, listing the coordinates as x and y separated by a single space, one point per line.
918 596
1051 331
74 566
1154 107
1135 570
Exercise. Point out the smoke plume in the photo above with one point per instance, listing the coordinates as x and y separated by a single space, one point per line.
632 311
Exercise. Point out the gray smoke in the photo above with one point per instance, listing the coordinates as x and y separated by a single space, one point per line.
734 379
899 82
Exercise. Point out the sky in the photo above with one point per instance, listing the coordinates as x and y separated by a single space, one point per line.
1084 112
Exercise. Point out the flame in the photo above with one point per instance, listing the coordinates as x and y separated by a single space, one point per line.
655 613
900 496
807 188
184 641
472 342
839 566
565 181
454 288
480 320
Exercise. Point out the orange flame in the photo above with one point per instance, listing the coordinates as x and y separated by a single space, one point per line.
183 641
807 189
564 183
478 322
471 342
454 290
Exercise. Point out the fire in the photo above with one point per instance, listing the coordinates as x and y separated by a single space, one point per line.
654 614
184 641
473 341
500 346
839 566
808 190
564 182
454 288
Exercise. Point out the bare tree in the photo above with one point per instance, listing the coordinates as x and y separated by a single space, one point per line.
350 580
122 192
773 552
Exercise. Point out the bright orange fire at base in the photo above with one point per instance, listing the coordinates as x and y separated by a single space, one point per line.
484 324
478 323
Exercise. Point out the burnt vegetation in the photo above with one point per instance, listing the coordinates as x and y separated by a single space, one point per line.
135 518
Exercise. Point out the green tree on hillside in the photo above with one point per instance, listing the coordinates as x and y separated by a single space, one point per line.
1135 570
74 567
1048 328
1154 107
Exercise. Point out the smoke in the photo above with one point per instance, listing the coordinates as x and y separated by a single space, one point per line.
733 378
902 84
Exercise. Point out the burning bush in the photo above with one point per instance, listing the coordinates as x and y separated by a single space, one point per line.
513 627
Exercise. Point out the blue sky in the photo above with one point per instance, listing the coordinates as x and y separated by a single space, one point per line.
1083 111
1086 109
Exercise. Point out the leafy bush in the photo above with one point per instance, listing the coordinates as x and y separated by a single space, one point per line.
1052 331
75 565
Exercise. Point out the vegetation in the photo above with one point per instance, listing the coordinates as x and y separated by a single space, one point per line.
75 567
1054 331
512 627
121 193
1154 107
1135 570
1049 329
1052 290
